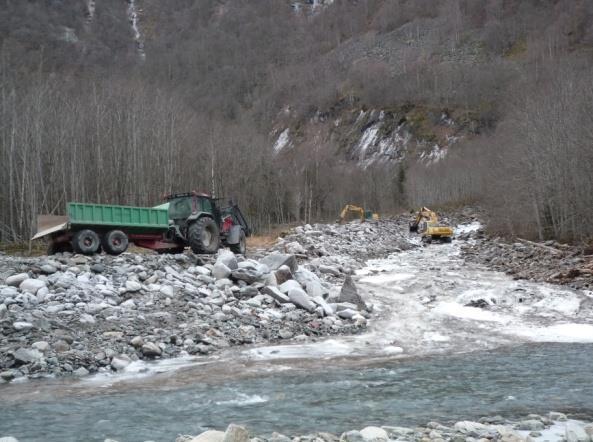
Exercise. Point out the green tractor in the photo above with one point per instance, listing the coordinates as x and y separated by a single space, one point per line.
200 222
186 219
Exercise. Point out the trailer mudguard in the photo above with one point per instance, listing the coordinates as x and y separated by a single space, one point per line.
234 235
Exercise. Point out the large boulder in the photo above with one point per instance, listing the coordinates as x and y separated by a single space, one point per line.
227 258
285 287
275 293
349 293
120 362
27 355
16 280
221 270
299 298
209 436
327 309
311 282
151 350
246 274
374 434
32 285
295 248
236 433
276 260
283 274
575 433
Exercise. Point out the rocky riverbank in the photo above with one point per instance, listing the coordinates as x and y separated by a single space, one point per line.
554 427
72 314
548 261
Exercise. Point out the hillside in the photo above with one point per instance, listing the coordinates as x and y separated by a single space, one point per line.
386 104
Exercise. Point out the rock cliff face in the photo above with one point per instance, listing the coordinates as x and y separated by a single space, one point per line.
376 136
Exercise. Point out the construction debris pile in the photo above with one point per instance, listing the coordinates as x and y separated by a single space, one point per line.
549 261
76 314
334 248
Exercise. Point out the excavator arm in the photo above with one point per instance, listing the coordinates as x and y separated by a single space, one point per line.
349 208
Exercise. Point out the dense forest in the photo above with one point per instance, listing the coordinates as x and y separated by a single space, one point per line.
121 101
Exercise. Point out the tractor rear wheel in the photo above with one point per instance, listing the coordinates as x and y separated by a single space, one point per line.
86 242
203 236
115 242
241 247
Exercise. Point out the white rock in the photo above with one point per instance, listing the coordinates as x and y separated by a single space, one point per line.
129 304
221 270
137 341
16 280
3 311
575 433
347 313
26 355
133 286
469 427
22 325
374 434
209 436
42 346
87 319
150 349
120 362
299 298
236 433
8 439
227 258
288 285
32 285
295 248
167 290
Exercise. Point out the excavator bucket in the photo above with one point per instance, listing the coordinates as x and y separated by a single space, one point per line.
48 224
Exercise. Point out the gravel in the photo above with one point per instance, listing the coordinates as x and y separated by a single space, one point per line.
486 429
72 314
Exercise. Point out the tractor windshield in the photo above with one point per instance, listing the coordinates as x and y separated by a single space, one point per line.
180 208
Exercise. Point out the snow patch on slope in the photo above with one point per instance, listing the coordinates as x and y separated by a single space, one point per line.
282 141
134 19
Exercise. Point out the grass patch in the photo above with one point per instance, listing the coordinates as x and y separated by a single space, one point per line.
24 248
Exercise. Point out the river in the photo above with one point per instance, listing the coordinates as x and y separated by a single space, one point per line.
426 356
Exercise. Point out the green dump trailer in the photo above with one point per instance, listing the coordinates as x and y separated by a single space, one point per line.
88 228
190 219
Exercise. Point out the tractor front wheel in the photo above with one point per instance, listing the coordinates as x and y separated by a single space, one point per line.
86 242
203 236
115 242
240 247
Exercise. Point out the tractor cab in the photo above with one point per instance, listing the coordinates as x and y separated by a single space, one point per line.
185 206
198 220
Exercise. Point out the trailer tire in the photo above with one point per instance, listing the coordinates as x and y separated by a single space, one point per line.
115 242
241 247
447 239
203 236
86 242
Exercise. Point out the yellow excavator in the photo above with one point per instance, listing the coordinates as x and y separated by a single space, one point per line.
357 212
426 222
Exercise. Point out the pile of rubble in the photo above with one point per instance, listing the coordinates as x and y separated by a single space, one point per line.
343 248
548 261
75 314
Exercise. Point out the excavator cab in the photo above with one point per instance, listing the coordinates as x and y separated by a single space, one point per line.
426 223
350 211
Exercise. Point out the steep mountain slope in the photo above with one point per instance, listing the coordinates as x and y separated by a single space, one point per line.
419 100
